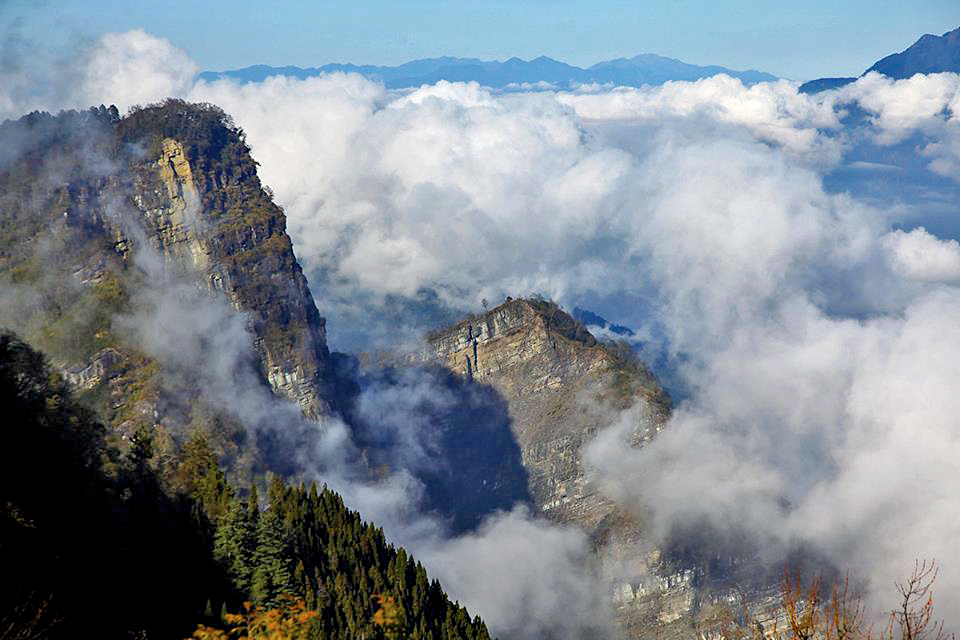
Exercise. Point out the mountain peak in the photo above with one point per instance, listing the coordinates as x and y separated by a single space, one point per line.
520 314
191 199
929 54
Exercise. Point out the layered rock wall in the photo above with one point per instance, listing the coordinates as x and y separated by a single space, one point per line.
561 386
225 228
81 191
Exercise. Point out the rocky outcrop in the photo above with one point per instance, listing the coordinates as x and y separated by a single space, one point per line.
177 219
79 192
561 386
222 225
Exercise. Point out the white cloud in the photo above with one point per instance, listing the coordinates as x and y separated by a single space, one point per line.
11 105
806 428
538 577
131 68
945 149
448 187
753 271
124 69
928 105
918 255
772 111
900 107
820 349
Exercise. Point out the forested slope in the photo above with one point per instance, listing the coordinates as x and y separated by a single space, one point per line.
91 539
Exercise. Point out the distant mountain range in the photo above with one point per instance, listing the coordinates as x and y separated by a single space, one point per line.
644 69
929 54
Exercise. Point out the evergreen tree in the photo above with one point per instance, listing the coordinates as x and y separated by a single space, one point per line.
253 505
199 476
80 525
234 544
271 560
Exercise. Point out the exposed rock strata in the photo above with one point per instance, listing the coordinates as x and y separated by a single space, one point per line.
561 386
80 191
203 222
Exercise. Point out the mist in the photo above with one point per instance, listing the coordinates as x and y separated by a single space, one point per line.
495 562
428 430
813 327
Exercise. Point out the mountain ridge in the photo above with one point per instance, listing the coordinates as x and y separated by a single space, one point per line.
562 386
546 363
640 70
929 54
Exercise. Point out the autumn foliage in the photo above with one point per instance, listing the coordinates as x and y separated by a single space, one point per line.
389 616
836 613
290 621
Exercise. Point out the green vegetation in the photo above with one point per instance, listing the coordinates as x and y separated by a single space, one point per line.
83 529
306 543
122 517
91 538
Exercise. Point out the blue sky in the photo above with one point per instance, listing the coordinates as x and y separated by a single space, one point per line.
799 40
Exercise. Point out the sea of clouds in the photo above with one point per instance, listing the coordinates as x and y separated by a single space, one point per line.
814 327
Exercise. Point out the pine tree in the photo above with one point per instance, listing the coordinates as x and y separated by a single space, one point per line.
253 504
271 560
199 475
234 545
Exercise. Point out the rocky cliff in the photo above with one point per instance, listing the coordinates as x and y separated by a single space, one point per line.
561 386
86 198
205 207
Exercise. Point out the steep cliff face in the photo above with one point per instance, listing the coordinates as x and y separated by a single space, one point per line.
561 386
212 213
81 193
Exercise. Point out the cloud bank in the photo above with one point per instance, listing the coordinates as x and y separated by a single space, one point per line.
818 343
497 570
